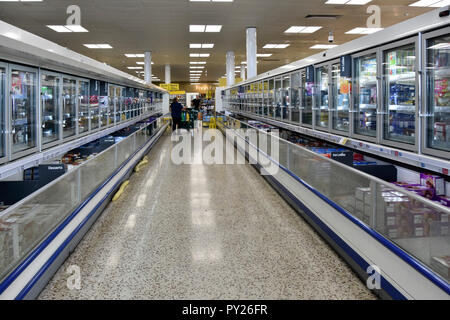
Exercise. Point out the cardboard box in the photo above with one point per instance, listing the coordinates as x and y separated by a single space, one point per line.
435 182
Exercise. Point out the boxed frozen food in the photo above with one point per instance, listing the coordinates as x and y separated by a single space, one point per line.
445 201
432 181
423 191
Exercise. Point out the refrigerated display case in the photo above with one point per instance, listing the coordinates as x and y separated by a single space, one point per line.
437 103
278 97
399 94
307 100
341 100
266 98
296 84
271 102
2 110
83 106
69 107
50 100
93 104
286 96
23 109
365 92
322 105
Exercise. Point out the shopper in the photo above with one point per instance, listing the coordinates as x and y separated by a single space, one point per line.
196 103
175 109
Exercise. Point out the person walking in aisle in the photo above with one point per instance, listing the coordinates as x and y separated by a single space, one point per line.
175 109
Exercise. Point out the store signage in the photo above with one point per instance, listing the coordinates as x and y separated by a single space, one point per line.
346 66
170 86
310 74
345 157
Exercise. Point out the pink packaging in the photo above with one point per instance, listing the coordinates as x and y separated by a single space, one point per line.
433 181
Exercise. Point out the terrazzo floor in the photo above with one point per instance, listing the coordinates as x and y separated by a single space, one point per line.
203 232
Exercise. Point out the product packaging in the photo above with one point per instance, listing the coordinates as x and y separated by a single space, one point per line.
433 181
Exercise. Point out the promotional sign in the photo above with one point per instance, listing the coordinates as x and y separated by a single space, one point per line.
346 66
310 74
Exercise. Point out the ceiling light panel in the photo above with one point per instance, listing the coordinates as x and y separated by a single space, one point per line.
98 46
364 30
323 46
431 3
276 46
302 29
204 28
349 2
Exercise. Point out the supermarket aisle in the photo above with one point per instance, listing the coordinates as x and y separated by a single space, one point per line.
203 232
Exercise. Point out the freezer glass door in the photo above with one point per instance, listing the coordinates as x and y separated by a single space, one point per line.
83 106
50 99
322 97
2 110
271 98
341 104
278 97
307 100
69 107
296 83
286 103
399 83
365 95
23 106
438 97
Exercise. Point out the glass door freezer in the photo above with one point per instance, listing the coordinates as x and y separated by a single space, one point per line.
436 113
400 87
2 112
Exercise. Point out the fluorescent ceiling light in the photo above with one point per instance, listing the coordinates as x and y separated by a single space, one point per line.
350 2
199 55
134 55
76 28
98 46
213 28
204 28
211 0
59 28
324 46
135 68
201 45
67 28
431 3
142 63
192 67
301 29
264 55
197 62
276 46
364 30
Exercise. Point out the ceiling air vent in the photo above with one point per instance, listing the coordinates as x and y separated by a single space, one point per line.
322 16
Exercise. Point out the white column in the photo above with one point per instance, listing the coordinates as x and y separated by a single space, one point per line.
243 72
252 70
168 78
230 68
148 67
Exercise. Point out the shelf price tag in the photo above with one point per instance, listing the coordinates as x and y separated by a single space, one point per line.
343 141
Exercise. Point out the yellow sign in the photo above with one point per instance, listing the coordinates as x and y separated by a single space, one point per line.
175 93
170 86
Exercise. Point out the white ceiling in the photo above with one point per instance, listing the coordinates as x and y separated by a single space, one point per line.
162 26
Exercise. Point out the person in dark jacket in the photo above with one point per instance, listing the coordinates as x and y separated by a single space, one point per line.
176 108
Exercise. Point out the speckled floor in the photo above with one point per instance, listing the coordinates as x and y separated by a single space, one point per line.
203 232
